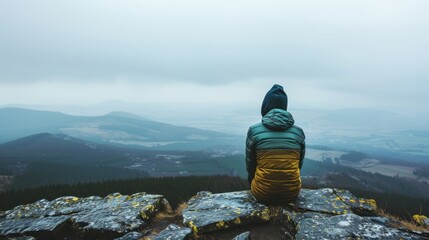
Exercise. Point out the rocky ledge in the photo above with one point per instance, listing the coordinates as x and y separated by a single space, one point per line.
317 214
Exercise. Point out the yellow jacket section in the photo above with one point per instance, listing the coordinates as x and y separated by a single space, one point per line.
277 177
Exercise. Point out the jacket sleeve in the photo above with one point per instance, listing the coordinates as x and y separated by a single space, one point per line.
302 154
250 156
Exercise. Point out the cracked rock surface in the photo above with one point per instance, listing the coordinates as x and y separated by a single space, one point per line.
333 214
325 213
174 232
82 218
208 212
346 226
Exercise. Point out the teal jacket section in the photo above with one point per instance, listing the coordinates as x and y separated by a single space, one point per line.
276 132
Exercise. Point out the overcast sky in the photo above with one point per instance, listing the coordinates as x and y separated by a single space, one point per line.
327 54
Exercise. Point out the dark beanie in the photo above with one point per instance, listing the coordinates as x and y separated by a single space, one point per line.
275 98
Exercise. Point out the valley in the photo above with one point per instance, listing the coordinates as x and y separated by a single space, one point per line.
65 149
398 168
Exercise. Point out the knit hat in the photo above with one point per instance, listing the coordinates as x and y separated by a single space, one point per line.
275 98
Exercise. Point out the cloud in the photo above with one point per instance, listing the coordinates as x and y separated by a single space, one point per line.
330 53
211 42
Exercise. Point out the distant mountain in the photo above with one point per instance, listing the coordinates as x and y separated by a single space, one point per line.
58 148
126 115
117 128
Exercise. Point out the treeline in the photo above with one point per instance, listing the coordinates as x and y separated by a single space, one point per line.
175 189
422 172
39 174
4 170
354 156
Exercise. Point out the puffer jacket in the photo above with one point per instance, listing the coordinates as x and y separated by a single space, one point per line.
275 151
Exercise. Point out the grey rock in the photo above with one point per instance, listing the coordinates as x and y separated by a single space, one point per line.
209 212
360 206
321 200
118 214
426 222
317 214
347 226
382 220
243 236
44 226
131 236
291 219
91 217
174 232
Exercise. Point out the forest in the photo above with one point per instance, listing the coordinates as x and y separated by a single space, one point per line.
42 173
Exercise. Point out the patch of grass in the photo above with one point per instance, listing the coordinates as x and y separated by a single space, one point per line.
402 223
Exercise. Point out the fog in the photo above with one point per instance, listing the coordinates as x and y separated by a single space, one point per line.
200 55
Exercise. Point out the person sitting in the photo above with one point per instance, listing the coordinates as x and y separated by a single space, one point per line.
275 150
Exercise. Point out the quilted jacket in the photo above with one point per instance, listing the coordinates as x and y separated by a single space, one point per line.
275 150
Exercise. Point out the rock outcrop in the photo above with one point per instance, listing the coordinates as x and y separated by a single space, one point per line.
82 218
207 212
317 214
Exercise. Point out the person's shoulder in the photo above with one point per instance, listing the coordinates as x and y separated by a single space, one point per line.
256 125
297 129
254 128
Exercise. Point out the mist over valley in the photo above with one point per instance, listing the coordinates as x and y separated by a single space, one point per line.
143 147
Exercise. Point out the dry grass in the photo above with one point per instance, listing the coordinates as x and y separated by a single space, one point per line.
180 208
171 216
403 223
165 218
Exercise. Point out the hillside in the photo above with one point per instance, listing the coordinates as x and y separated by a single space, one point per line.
59 148
37 160
47 159
117 128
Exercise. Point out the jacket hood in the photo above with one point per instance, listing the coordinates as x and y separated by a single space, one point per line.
275 98
278 119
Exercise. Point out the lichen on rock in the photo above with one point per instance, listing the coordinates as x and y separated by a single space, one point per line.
422 220
361 206
208 212
117 214
91 217
321 200
316 214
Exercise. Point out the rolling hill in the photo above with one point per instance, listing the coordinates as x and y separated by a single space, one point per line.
59 148
117 128
44 159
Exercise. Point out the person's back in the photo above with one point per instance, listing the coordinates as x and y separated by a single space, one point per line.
275 150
